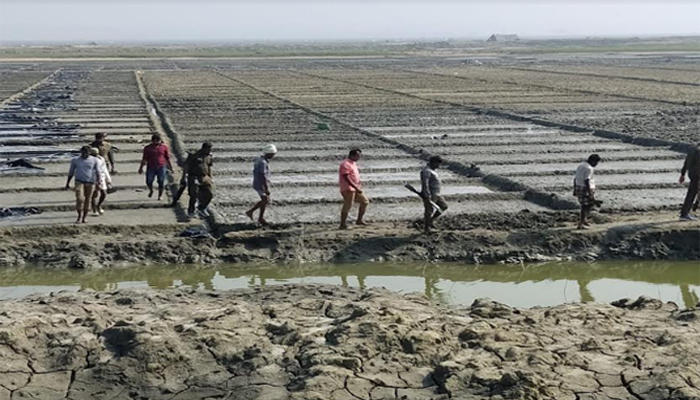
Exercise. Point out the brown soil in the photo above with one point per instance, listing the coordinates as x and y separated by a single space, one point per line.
485 238
327 342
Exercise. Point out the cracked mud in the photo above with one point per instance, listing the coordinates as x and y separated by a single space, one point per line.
326 342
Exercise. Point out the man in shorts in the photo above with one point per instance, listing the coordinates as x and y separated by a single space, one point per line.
433 203
261 182
351 189
156 158
84 169
584 189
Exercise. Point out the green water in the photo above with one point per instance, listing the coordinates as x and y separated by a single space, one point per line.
516 285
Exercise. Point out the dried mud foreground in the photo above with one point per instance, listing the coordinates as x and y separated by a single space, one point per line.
327 342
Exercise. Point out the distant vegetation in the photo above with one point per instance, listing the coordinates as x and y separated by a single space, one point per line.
376 48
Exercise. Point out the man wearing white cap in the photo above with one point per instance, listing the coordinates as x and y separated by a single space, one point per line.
261 182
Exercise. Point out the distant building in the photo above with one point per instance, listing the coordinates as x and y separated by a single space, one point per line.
502 38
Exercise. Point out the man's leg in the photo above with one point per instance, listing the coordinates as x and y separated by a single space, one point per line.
192 192
79 200
150 177
440 201
690 197
95 193
162 173
205 196
88 199
103 196
582 217
427 215
348 199
364 201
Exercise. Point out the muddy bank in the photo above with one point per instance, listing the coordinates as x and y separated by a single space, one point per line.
479 238
327 342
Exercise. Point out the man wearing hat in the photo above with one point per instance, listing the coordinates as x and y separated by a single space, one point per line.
261 182
200 185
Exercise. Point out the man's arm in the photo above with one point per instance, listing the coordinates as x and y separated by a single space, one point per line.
425 184
167 158
71 172
110 156
346 177
686 167
144 160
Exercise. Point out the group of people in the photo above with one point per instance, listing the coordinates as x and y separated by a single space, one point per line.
94 168
350 185
584 187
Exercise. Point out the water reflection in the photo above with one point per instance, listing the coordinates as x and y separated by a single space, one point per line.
522 286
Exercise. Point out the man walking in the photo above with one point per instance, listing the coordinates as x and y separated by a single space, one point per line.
433 203
351 189
156 158
99 192
200 185
84 168
106 150
584 189
692 168
261 182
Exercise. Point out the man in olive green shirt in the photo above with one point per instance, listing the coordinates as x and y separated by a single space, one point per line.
692 168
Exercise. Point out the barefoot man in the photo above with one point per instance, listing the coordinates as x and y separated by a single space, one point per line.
351 189
156 158
584 189
84 168
433 203
261 182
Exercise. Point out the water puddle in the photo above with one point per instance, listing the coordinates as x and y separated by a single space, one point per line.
517 285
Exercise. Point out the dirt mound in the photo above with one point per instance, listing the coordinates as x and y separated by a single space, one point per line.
326 342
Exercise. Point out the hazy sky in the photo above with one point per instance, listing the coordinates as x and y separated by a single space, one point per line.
152 20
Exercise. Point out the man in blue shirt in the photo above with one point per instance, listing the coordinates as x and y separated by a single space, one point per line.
84 169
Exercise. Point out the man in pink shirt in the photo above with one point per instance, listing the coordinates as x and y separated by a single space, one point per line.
156 157
351 188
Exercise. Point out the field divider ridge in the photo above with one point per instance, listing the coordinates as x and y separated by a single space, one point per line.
162 124
603 133
500 183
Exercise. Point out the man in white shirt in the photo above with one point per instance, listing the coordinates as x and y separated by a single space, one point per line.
584 188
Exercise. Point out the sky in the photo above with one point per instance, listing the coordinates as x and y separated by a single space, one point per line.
263 20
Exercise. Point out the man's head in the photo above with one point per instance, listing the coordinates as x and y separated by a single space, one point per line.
206 147
94 151
155 139
269 151
85 151
594 160
435 162
355 154
100 137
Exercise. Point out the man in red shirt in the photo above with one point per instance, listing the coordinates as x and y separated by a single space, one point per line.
351 188
156 158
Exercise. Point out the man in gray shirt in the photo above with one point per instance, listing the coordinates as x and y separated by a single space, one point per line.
84 169
433 202
261 182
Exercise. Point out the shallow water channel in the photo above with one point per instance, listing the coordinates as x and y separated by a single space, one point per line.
517 285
